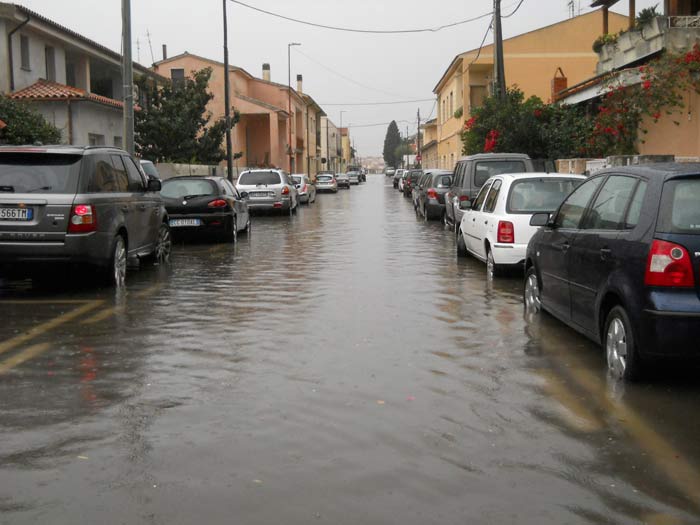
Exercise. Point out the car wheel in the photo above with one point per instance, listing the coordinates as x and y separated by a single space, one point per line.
444 219
164 243
623 359
296 208
425 215
531 292
115 275
291 209
234 229
247 225
461 246
492 269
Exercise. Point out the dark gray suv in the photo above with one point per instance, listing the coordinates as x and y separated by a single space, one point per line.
67 204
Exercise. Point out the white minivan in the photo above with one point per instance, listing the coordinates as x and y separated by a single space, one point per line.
495 227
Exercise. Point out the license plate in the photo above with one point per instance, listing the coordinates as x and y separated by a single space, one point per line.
178 223
16 214
260 194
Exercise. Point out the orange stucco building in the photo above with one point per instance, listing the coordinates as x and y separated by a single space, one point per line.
531 62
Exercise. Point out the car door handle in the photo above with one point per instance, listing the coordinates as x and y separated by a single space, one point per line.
605 253
565 247
142 207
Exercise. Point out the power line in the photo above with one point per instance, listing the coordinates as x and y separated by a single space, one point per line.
483 41
381 103
514 10
372 31
344 76
378 124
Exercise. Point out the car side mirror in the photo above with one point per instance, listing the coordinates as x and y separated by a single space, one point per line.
465 205
297 186
244 194
153 185
540 219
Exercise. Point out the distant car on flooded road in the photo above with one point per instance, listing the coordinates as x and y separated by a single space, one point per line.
343 180
268 190
326 182
620 262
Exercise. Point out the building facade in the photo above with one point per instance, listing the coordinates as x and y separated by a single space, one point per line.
429 149
330 145
531 62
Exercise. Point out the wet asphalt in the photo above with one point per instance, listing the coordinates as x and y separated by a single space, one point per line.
340 366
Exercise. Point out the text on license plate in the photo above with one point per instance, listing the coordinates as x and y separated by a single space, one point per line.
178 223
260 194
16 214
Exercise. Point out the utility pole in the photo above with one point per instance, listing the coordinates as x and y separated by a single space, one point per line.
289 99
128 78
407 150
499 73
227 102
418 143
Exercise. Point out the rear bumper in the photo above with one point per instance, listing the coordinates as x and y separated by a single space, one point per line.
326 188
91 248
434 209
214 221
670 328
509 254
269 204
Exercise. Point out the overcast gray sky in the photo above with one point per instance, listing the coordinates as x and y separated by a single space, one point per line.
397 67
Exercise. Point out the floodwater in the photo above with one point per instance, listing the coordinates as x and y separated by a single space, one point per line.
339 366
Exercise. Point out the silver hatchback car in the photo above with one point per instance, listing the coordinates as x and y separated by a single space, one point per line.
68 204
268 189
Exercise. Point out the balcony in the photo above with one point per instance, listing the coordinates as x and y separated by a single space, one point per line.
675 34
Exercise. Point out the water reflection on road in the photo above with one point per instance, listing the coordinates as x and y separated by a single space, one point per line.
341 365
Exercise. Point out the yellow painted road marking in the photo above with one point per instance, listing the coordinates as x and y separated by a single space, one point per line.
26 354
575 412
108 312
44 301
47 326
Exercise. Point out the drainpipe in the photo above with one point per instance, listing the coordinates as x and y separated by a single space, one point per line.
9 50
70 123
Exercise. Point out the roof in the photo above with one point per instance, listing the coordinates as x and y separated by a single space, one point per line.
311 102
664 169
496 156
55 148
45 90
6 7
606 3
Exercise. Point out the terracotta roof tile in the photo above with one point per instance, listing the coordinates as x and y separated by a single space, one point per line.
47 90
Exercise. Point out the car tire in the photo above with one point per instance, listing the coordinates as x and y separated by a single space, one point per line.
622 356
164 244
246 230
492 269
461 246
115 273
532 297
233 234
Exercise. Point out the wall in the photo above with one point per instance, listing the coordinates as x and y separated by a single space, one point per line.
685 136
37 59
55 113
4 58
89 117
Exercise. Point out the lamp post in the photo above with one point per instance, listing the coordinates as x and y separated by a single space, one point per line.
227 102
289 97
341 138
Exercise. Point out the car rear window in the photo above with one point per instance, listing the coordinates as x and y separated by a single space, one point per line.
178 188
324 178
443 181
680 207
297 180
258 178
39 173
487 169
539 195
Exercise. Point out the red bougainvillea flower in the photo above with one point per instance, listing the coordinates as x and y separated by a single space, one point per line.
538 113
657 115
491 141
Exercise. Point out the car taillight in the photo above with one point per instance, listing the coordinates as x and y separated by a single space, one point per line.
285 190
333 181
432 194
218 203
506 232
463 198
83 219
669 264
303 190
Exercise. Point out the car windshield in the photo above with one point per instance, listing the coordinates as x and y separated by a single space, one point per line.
297 180
259 178
39 173
150 169
486 169
179 188
324 178
680 212
539 195
443 181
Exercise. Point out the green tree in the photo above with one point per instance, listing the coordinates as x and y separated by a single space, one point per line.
175 126
391 142
24 125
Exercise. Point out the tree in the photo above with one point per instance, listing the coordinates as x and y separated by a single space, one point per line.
23 125
175 126
391 142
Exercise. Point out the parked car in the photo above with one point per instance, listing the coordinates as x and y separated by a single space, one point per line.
149 169
411 177
343 180
389 172
620 262
68 204
363 175
430 193
307 190
398 174
470 174
354 177
205 205
268 189
326 182
495 227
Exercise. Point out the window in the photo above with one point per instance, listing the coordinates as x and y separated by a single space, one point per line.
539 195
96 140
50 57
485 170
120 174
481 197
452 108
118 143
39 172
136 181
491 200
609 207
177 76
24 52
259 178
104 178
444 182
477 95
182 187
571 211
680 212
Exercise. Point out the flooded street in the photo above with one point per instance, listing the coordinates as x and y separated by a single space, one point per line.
340 366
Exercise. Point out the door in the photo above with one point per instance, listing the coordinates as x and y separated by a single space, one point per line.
240 206
453 193
595 248
485 222
473 217
134 210
554 246
147 204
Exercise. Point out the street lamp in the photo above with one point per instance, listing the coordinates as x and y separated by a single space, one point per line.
227 102
341 137
289 97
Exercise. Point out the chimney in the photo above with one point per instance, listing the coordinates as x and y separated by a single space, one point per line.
165 52
559 84
266 72
300 83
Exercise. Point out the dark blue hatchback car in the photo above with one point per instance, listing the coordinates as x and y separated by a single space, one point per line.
620 262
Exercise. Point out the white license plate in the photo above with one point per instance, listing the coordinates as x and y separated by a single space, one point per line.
179 223
16 214
260 194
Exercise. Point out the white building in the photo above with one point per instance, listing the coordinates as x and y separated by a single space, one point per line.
330 145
